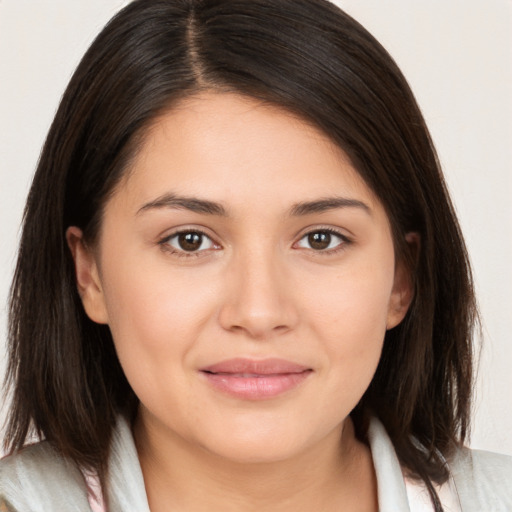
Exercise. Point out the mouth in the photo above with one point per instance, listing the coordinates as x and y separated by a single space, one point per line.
255 379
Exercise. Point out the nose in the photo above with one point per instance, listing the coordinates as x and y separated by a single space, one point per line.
259 300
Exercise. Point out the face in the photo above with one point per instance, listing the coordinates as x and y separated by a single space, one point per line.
248 276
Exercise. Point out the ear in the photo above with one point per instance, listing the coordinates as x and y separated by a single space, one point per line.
403 286
87 276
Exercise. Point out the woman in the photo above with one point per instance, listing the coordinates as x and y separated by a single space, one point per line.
241 283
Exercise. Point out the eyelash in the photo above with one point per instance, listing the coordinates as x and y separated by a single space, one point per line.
345 241
181 253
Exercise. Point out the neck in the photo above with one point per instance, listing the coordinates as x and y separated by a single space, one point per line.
334 474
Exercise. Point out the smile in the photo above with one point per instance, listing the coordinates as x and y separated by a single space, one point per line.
255 380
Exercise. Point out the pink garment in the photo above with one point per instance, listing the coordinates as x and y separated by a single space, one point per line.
94 493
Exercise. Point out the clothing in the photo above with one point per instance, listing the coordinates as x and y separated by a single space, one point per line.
39 480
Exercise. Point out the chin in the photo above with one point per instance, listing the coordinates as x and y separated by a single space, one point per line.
261 442
256 451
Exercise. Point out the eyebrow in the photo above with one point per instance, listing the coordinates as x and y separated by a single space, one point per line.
185 203
326 204
204 206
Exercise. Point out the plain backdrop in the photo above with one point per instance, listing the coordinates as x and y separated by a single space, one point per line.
457 56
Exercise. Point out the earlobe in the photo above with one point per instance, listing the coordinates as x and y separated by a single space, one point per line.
403 286
87 276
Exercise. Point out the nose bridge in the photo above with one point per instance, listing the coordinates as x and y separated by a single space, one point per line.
258 302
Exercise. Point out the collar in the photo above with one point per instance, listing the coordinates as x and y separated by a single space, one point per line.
126 483
391 488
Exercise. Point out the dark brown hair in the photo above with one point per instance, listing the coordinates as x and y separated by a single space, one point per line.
306 56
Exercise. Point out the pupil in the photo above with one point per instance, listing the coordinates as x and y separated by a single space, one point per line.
190 241
319 240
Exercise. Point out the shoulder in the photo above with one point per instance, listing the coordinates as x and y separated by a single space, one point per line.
37 478
18 470
489 464
483 480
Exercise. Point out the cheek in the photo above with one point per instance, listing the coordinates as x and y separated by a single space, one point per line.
156 318
350 319
155 315
353 303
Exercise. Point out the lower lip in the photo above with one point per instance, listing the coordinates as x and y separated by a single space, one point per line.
256 388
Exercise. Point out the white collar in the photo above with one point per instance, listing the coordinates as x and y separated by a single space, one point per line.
127 492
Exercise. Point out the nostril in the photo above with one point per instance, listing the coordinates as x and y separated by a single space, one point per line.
259 309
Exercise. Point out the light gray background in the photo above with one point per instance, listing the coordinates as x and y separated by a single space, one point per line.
457 55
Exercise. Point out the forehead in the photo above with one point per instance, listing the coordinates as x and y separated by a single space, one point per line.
233 149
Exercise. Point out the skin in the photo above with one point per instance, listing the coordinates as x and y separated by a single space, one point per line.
256 288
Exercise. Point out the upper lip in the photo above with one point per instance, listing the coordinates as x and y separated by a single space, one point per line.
255 367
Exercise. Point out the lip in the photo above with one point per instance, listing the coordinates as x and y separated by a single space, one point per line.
251 379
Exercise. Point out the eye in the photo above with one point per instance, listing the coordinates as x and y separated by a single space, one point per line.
189 241
322 240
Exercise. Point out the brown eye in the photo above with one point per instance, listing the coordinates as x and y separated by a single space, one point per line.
322 240
189 241
319 241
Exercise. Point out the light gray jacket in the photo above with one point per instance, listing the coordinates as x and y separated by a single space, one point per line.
38 480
